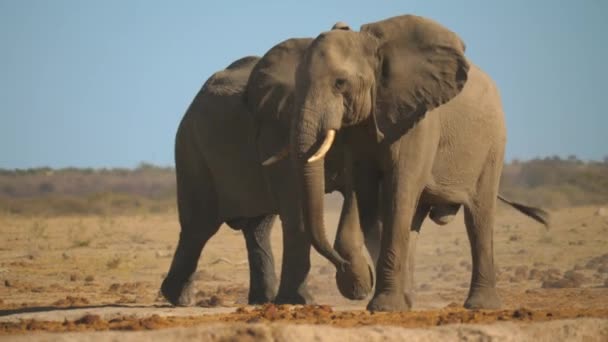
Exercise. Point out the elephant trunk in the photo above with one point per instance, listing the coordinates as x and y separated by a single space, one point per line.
312 189
311 178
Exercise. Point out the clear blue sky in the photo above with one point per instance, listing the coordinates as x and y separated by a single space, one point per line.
105 83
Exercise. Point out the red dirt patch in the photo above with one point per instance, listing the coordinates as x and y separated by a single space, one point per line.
311 314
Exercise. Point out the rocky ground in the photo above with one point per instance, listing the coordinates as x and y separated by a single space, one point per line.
96 273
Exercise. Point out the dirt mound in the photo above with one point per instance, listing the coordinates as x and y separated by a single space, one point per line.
103 273
310 314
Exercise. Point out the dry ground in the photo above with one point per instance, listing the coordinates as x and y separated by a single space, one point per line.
111 268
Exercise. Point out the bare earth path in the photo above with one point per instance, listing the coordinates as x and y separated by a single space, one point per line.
91 273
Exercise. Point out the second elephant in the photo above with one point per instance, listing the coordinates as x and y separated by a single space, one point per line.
233 123
421 123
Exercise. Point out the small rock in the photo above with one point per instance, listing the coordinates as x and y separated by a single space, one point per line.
211 302
89 279
8 283
163 254
88 319
515 238
535 274
452 305
74 277
424 287
521 271
602 212
575 276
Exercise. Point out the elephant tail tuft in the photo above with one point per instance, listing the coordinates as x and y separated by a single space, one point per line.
537 214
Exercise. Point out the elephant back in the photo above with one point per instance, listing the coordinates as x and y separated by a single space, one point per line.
231 80
269 93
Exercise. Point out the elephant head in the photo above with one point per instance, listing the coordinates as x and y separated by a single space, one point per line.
386 76
270 97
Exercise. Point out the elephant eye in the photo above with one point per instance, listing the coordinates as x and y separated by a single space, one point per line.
340 83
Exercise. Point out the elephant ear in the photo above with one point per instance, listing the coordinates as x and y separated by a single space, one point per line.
421 65
270 92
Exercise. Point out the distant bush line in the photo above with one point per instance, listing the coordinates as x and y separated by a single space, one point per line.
549 182
553 182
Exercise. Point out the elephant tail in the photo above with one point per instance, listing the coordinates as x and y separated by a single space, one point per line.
537 214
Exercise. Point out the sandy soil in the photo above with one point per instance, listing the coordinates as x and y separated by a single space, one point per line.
73 274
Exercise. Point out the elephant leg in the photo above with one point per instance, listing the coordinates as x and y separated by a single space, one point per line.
296 264
373 238
367 187
197 205
185 261
356 280
409 286
359 212
399 205
296 243
262 277
479 220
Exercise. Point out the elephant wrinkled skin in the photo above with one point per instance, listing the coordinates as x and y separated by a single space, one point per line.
422 126
232 125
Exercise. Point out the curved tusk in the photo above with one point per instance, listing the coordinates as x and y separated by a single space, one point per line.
325 146
284 152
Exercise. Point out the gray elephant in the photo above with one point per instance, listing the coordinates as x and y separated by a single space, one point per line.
422 126
220 178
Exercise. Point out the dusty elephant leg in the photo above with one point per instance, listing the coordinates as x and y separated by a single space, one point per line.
296 243
185 260
295 267
399 205
356 280
373 237
408 282
369 200
479 220
197 204
262 278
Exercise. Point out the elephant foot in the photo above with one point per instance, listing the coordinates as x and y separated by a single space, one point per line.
261 296
483 298
388 301
302 296
178 294
355 284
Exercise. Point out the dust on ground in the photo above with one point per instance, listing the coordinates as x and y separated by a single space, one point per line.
50 267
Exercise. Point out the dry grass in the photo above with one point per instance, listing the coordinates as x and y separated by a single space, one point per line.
549 182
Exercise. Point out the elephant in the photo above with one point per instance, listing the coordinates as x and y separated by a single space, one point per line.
231 125
212 148
424 135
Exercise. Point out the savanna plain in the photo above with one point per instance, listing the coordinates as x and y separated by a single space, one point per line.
83 253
